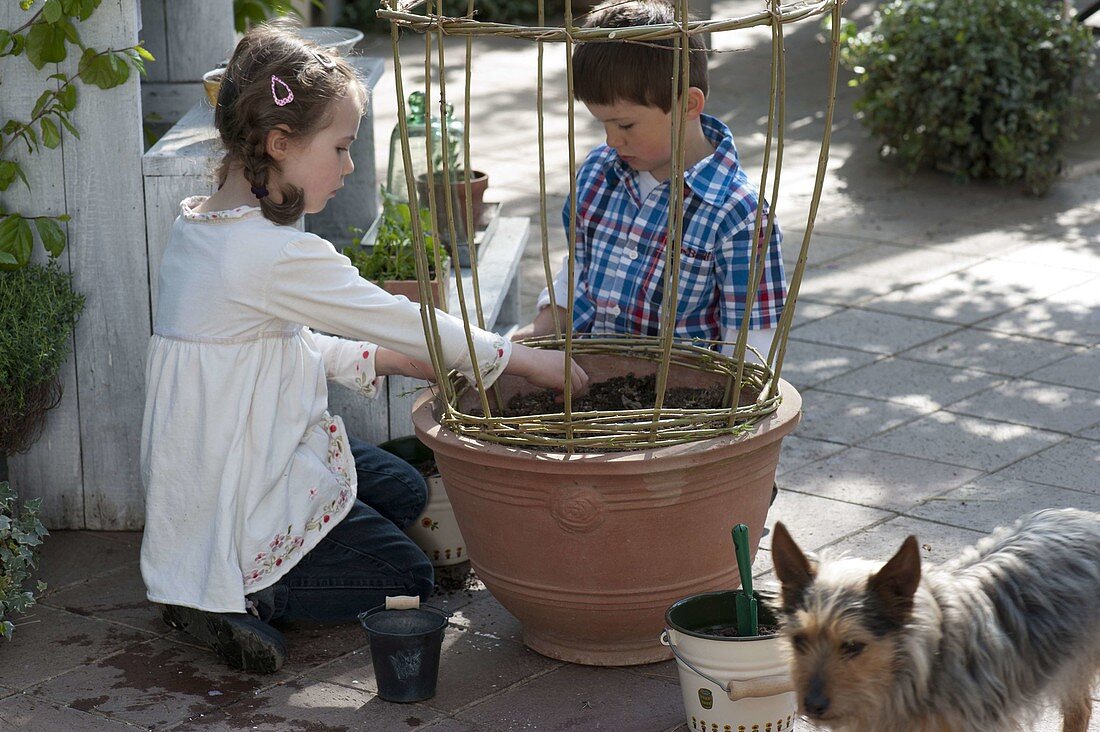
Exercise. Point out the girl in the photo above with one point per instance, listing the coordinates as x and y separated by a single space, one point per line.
259 506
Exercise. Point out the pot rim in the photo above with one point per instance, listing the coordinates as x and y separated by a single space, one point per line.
669 624
769 429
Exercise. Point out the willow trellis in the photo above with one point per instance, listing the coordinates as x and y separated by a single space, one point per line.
571 430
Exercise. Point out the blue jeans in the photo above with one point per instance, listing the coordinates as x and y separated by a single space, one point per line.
366 556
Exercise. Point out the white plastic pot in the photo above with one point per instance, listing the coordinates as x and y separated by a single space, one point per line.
728 684
436 530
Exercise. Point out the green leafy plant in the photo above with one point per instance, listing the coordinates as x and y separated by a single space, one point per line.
251 12
38 310
392 256
979 89
21 534
361 14
44 38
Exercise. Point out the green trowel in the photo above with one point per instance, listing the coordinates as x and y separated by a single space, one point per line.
746 601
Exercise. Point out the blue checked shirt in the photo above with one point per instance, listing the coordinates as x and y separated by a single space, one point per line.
621 247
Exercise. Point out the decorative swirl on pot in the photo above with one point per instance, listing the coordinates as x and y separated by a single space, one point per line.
578 510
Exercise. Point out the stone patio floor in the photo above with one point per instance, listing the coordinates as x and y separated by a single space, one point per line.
946 351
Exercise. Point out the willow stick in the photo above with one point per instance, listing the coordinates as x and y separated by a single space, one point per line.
471 225
758 254
783 332
567 404
427 313
543 219
448 207
681 84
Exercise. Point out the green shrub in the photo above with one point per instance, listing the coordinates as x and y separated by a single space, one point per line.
361 13
392 256
38 310
979 89
20 535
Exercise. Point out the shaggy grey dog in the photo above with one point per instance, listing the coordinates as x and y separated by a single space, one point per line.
973 645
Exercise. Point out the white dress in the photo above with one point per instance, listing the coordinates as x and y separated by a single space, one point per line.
244 469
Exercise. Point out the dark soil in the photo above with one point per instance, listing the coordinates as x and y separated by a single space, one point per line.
617 394
455 578
730 631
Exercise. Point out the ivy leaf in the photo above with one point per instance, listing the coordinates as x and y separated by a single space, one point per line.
70 32
69 125
103 70
16 239
8 171
45 45
144 53
51 137
5 40
52 236
67 97
51 11
41 103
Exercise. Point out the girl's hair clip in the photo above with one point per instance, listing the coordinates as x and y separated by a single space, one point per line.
281 101
324 60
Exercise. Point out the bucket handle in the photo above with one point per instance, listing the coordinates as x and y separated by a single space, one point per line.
401 602
750 688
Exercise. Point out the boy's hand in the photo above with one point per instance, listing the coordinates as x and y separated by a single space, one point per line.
543 324
546 369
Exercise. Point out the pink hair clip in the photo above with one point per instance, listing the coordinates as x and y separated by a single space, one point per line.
283 101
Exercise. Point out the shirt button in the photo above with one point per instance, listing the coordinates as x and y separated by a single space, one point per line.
631 253
614 310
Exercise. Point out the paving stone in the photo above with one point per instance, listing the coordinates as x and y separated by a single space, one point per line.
997 500
1046 406
808 364
154 684
938 542
867 330
474 664
1090 434
979 292
307 704
829 284
26 712
1074 463
118 597
48 642
922 385
997 353
806 312
823 248
904 265
312 644
976 237
1055 254
1068 316
877 479
583 698
93 556
799 451
1081 371
486 615
849 419
960 440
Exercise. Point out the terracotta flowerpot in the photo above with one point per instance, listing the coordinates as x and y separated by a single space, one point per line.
411 289
479 182
588 550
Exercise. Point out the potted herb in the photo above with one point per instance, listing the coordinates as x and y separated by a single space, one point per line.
20 536
390 260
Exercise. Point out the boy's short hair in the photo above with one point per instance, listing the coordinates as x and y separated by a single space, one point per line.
606 72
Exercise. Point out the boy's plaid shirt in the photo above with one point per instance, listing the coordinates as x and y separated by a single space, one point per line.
621 247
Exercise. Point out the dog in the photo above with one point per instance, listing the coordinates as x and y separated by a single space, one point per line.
975 644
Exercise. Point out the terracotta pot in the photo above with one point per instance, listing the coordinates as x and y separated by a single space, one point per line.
588 550
411 289
479 182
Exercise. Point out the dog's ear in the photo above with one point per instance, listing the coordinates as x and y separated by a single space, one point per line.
791 567
896 583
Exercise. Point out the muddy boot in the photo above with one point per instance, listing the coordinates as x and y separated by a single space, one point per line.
242 640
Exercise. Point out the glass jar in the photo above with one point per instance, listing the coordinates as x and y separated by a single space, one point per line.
419 130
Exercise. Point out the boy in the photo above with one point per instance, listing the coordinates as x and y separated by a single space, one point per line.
623 201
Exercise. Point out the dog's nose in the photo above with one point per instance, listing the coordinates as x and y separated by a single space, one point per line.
816 704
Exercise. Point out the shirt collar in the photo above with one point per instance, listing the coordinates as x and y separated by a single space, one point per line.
713 178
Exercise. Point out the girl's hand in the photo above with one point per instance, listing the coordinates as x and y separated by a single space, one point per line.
546 369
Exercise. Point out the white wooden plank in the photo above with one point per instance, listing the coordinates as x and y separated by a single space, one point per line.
162 202
200 36
190 148
169 101
366 419
498 260
107 250
154 38
50 470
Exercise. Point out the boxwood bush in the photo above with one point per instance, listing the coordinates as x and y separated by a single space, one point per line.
980 89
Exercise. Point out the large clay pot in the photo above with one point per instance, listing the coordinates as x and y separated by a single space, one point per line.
589 550
440 289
